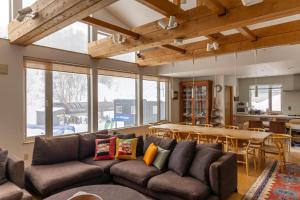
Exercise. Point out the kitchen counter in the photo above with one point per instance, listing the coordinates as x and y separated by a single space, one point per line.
266 115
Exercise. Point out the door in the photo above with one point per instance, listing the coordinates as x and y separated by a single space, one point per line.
228 105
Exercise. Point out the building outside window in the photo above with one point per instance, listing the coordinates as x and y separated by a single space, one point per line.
163 99
4 18
116 99
268 98
59 94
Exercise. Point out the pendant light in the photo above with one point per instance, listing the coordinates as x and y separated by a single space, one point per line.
256 87
193 88
172 81
236 97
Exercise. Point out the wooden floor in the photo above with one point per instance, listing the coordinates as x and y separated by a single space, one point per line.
245 182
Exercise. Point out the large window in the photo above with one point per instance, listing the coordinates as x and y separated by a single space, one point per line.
26 3
163 99
4 17
116 100
35 99
59 94
266 97
72 38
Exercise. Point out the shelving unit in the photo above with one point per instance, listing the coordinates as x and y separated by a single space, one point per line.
195 102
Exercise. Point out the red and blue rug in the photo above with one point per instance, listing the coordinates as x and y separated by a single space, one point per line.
273 184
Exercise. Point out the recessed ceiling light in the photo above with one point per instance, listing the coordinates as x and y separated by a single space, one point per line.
251 2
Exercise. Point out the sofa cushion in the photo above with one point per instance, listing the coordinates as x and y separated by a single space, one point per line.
124 135
48 178
140 141
103 164
3 161
182 157
217 146
204 157
161 158
55 150
184 187
150 154
86 145
135 171
167 144
9 191
105 149
126 149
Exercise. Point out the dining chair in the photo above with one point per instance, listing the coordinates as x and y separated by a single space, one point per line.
232 127
207 125
277 147
242 149
151 130
255 124
257 129
278 127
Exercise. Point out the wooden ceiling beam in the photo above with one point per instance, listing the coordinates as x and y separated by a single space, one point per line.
247 33
196 23
163 7
174 48
102 24
53 15
214 5
282 34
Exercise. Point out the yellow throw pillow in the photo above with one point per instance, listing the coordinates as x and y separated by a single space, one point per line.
150 154
126 149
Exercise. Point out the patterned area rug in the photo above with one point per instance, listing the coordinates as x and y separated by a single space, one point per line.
272 184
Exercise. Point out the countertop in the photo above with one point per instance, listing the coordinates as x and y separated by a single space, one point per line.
266 115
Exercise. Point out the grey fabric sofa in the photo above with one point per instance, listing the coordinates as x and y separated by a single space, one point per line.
66 162
13 189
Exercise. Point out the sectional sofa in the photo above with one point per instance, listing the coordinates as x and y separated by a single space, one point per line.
13 188
67 162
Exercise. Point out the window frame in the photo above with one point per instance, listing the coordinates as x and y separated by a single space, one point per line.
49 98
270 101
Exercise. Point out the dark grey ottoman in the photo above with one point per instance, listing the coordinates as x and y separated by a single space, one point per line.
106 192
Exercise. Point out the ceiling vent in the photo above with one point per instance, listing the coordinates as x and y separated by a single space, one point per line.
251 2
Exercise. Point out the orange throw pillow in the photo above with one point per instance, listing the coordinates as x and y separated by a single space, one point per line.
150 154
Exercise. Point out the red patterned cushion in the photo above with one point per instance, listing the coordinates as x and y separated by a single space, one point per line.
105 149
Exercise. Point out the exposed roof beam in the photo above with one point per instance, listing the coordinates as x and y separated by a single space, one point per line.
247 33
199 22
53 15
174 48
282 34
164 7
99 23
215 6
214 36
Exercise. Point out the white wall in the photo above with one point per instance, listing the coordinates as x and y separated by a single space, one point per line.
12 88
289 98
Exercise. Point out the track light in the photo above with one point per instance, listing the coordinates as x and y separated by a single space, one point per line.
139 55
26 12
171 24
118 38
251 2
212 46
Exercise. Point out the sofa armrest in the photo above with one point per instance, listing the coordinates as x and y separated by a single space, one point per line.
223 175
15 170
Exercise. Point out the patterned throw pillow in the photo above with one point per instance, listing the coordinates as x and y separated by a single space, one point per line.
126 149
105 149
150 154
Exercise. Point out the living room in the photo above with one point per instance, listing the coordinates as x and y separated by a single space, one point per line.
210 86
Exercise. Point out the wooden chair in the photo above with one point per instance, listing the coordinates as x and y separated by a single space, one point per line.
277 148
232 127
286 120
207 125
278 127
238 147
151 130
255 124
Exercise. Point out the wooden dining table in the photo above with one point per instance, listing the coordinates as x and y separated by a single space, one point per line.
214 131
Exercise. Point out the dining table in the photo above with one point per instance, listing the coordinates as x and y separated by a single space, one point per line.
214 131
